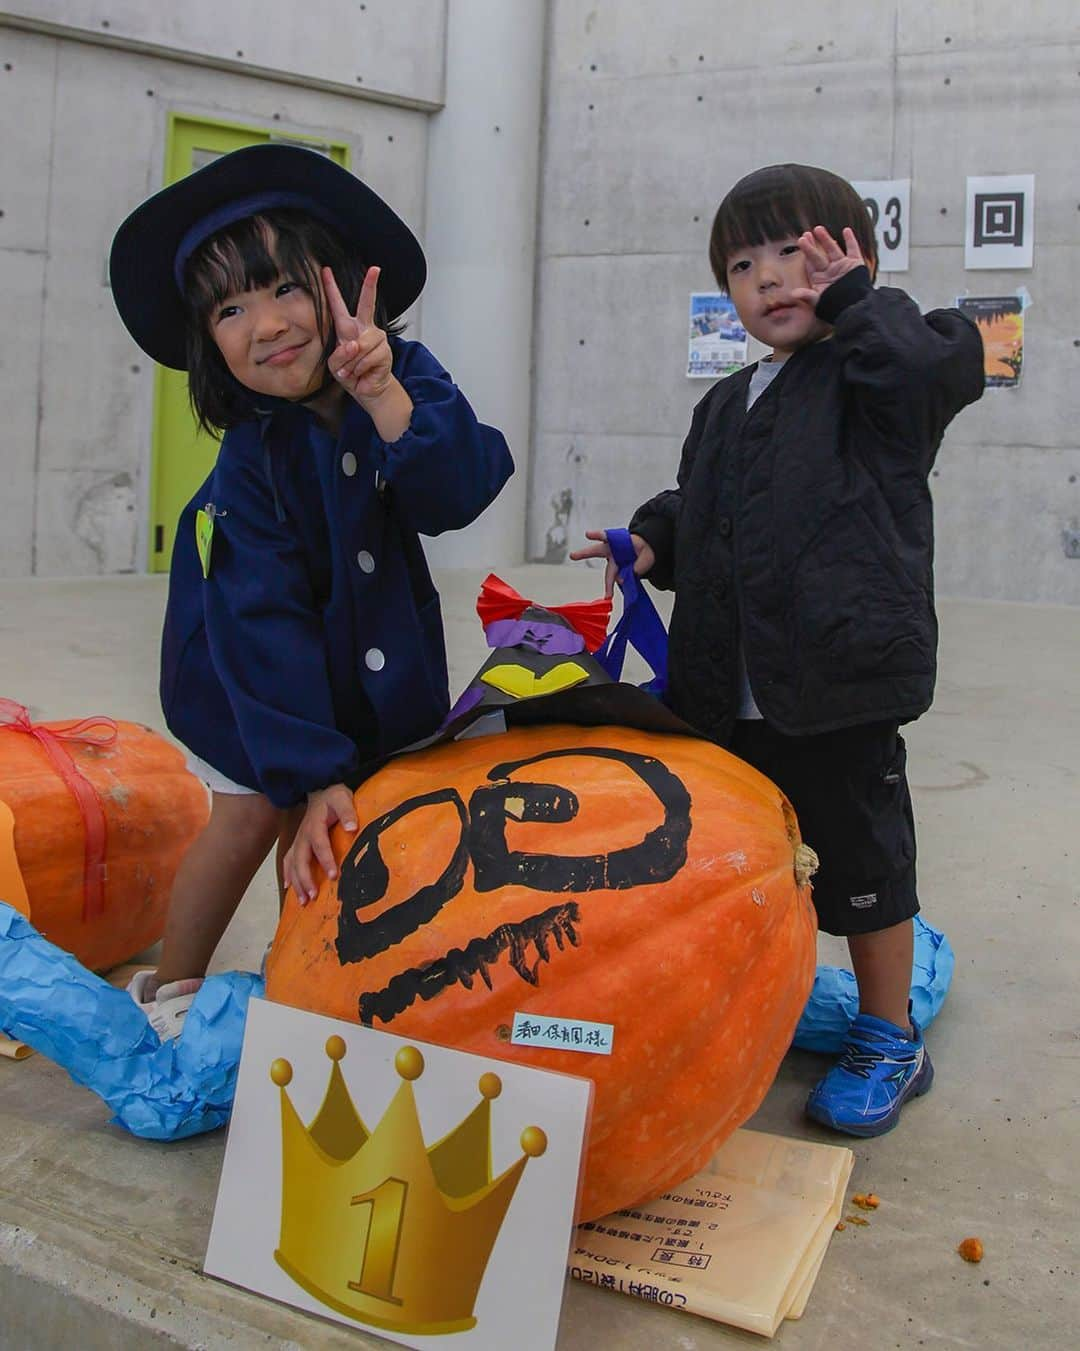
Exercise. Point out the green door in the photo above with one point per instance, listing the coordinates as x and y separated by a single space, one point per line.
182 456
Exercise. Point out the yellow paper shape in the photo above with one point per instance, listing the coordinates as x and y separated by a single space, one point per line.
12 886
204 538
521 683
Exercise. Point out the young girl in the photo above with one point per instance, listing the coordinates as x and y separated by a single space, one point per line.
302 635
799 544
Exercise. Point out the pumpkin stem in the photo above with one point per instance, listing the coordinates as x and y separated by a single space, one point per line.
806 864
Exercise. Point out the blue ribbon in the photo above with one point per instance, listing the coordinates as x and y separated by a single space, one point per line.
240 208
639 626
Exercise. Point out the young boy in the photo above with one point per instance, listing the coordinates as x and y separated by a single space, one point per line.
799 544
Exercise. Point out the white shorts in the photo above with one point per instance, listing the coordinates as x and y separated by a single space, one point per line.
214 780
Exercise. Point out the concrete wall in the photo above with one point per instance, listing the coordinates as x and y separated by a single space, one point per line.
383 48
650 113
654 111
483 163
84 142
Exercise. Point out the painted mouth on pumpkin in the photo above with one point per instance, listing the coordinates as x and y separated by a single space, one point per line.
461 966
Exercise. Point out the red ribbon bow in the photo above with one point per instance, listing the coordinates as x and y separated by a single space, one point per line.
14 717
590 618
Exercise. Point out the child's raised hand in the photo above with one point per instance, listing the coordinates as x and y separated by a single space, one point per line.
362 361
826 261
311 844
601 549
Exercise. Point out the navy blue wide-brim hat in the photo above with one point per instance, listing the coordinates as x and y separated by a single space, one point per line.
150 248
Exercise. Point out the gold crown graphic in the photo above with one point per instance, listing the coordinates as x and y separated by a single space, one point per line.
377 1225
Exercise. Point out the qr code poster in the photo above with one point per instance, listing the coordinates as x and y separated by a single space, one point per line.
1000 230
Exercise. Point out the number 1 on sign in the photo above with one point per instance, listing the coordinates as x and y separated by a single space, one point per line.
387 1202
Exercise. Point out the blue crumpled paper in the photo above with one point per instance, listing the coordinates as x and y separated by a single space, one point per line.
834 1000
166 1091
159 1091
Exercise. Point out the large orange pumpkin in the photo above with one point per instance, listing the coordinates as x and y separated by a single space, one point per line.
599 874
153 808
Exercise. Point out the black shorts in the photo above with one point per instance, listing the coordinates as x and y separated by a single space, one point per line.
850 793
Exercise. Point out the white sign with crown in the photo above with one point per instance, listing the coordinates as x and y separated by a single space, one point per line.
423 1193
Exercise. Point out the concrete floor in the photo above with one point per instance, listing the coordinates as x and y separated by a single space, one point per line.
102 1236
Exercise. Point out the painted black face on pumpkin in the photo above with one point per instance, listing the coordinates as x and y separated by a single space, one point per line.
482 844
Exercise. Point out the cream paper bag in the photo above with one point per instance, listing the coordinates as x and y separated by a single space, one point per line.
741 1242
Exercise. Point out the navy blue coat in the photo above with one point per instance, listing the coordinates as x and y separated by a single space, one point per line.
316 642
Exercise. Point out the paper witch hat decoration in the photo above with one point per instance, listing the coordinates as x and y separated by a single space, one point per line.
542 668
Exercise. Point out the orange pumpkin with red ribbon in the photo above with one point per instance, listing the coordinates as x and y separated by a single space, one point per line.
95 816
647 892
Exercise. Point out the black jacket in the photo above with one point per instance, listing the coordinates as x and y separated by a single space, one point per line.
806 525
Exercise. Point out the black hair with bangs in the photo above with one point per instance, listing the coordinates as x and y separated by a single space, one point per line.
254 252
782 201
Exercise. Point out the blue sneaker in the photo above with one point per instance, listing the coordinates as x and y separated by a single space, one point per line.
880 1068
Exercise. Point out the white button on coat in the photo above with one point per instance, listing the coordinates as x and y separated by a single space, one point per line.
374 659
348 464
365 561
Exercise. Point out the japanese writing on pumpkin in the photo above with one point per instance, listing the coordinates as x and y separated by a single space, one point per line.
536 1029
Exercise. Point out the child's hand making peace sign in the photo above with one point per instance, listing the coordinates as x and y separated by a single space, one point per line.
362 362
362 359
826 261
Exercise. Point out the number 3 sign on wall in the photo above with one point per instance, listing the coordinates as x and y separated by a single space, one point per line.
888 201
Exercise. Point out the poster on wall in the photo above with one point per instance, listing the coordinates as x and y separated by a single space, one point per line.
1000 222
717 337
1000 321
889 202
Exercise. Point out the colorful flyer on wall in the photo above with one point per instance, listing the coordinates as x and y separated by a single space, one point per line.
717 338
1000 321
400 1187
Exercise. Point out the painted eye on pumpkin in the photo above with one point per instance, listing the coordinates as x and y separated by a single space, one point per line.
365 877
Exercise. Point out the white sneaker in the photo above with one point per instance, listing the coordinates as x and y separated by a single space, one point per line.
137 989
167 1009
